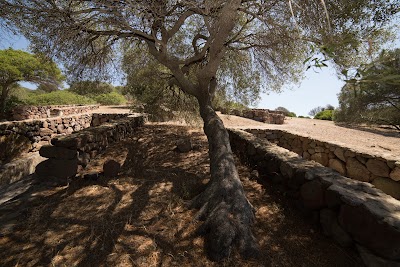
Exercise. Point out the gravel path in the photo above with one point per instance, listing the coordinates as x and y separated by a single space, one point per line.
376 142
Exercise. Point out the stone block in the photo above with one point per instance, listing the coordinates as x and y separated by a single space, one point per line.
388 186
184 145
395 174
356 170
338 166
111 168
326 218
349 154
378 167
312 194
370 231
57 168
45 132
55 152
321 158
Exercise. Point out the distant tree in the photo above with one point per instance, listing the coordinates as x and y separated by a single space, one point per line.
87 88
17 66
283 110
193 39
326 114
373 94
286 112
318 109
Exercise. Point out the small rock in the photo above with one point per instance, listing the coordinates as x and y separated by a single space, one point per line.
111 168
184 145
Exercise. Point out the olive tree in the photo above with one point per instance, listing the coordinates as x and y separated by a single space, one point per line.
17 66
373 94
192 39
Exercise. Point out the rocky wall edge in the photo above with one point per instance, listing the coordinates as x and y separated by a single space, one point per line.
67 153
353 213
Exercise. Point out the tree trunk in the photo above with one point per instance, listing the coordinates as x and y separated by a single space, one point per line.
3 98
227 213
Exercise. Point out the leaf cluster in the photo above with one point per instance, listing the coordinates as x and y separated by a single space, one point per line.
373 94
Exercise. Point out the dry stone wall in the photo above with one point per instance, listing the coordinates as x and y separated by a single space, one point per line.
17 138
67 153
262 115
43 130
382 172
40 112
353 213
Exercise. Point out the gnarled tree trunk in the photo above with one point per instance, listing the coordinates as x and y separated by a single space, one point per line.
227 213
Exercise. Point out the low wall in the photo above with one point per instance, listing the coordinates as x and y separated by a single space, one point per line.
18 138
36 131
68 152
353 213
262 115
382 172
40 112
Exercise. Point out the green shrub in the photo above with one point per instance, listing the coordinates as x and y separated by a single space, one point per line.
324 115
303 117
291 114
58 98
112 98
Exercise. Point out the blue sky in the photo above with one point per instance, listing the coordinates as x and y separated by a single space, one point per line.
317 89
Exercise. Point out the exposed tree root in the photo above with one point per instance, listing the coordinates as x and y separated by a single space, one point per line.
227 217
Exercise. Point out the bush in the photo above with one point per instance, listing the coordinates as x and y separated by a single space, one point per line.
112 98
324 115
58 98
291 114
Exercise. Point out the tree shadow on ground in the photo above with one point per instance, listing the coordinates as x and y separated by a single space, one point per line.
380 130
140 217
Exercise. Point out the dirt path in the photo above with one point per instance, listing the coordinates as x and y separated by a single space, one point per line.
379 142
140 218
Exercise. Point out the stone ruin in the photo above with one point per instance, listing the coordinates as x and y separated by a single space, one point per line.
41 112
261 115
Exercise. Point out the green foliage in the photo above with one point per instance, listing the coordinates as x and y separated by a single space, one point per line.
149 83
58 98
318 109
303 117
291 114
91 88
112 98
17 65
373 94
325 115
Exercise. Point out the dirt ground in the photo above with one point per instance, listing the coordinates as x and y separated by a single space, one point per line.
376 141
140 217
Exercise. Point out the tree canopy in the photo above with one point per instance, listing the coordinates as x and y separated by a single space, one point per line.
17 66
373 94
268 40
